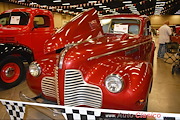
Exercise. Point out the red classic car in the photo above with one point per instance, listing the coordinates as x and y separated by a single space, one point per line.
100 63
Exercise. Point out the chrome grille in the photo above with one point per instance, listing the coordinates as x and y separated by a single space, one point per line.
78 92
48 86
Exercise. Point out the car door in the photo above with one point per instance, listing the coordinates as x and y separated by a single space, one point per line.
41 32
146 41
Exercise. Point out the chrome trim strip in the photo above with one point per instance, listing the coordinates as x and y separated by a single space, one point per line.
61 57
68 46
56 85
115 51
63 53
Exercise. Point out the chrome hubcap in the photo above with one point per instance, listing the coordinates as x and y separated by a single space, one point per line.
9 72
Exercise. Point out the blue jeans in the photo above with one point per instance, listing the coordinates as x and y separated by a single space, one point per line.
161 50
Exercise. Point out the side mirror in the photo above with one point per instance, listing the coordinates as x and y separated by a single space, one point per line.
35 26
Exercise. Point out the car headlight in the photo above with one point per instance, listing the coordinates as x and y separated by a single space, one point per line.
114 83
34 69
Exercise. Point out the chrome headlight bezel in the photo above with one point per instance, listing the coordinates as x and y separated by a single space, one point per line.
114 81
34 69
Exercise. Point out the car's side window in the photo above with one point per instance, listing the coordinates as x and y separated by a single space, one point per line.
41 21
14 18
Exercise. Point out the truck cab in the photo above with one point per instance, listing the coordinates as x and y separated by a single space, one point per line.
23 32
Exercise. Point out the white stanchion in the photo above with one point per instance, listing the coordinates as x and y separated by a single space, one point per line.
16 110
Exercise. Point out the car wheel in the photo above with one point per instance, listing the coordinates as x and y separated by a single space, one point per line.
12 72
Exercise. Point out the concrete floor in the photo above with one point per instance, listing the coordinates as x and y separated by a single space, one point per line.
164 96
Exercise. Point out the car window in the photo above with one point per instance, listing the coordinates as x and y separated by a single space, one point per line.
120 26
41 21
134 29
14 18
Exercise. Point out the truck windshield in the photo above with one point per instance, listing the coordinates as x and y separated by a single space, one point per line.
14 18
120 26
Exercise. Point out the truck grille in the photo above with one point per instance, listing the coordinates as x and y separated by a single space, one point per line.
48 86
77 92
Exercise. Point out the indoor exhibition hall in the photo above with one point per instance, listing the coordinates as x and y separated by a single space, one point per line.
90 59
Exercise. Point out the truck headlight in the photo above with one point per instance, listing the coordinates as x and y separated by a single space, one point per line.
34 69
114 83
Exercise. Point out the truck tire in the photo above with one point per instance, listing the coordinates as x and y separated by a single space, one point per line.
12 72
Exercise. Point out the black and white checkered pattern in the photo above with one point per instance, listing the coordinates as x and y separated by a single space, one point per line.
16 110
79 114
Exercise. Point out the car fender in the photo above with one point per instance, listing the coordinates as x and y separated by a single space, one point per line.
137 77
16 50
114 65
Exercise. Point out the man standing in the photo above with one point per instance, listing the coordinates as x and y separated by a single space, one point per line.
164 37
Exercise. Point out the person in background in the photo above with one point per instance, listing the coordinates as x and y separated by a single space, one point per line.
164 37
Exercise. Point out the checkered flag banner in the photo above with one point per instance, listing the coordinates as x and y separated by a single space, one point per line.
80 114
16 110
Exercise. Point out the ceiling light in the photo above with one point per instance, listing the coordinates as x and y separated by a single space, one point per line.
32 3
129 5
159 7
84 9
66 4
21 0
127 2
97 4
106 8
43 5
79 8
57 1
102 6
160 3
91 1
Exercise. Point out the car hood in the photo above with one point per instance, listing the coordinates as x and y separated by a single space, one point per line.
82 27
98 47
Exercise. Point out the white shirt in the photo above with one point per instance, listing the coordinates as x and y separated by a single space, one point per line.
164 34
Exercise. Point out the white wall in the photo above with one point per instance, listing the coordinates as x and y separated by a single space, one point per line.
158 20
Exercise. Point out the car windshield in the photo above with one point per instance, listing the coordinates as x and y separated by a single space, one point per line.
14 18
120 26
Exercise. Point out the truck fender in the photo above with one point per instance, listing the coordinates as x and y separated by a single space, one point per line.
16 50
